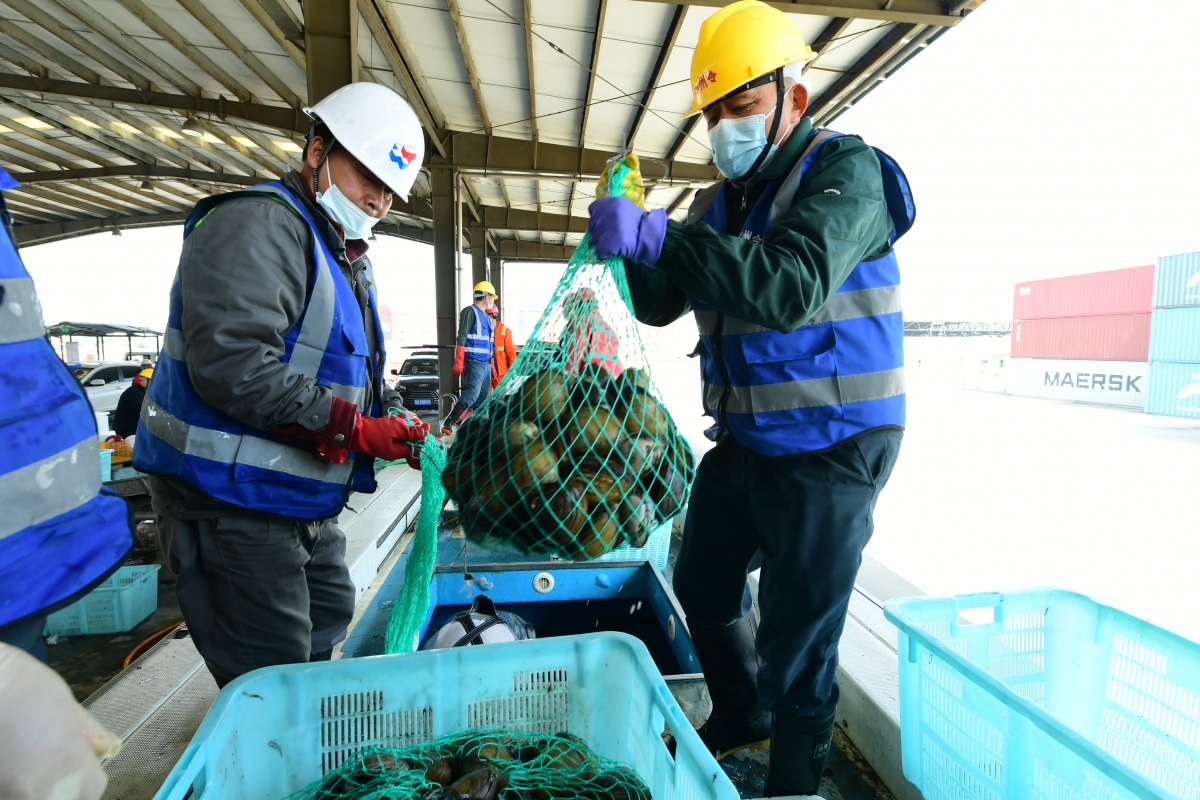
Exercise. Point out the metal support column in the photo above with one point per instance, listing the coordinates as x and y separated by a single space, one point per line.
497 279
479 270
330 45
445 272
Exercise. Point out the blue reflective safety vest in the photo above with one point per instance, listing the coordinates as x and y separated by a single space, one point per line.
61 532
180 434
479 341
836 376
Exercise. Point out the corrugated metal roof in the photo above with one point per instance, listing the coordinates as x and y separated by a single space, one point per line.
100 90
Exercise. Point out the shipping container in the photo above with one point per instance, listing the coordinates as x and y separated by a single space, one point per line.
1118 291
1175 335
1119 337
1177 281
1113 383
1173 390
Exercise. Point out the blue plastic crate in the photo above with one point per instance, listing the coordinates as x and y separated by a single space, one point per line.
128 596
656 549
278 729
1044 694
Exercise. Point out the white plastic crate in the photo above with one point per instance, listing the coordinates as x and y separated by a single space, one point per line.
128 596
278 729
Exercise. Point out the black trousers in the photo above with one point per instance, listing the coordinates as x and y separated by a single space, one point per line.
806 518
256 589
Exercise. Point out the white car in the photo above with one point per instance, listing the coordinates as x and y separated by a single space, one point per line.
106 381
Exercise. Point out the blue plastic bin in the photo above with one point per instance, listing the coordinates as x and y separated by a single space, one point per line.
656 549
128 596
278 729
1044 694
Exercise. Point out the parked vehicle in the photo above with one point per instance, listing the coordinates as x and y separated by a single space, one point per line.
104 382
417 381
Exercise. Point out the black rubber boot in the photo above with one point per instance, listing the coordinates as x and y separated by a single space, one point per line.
799 748
730 665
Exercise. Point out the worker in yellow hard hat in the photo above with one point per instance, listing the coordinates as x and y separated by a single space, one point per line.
788 266
473 354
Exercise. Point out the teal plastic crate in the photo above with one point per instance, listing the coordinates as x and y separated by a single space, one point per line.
1044 694
128 596
278 729
105 466
656 549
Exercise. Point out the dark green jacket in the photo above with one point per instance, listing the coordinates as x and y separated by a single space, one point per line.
838 219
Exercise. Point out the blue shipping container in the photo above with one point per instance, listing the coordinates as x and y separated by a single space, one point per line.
1173 390
1175 335
1177 281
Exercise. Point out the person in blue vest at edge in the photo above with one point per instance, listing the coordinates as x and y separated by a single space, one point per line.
788 267
62 533
473 353
268 405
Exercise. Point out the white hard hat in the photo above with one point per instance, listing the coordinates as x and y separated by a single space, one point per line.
482 624
379 128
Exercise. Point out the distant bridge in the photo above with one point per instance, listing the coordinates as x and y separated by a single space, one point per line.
956 328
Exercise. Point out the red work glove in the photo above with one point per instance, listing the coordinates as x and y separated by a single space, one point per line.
386 437
460 353
332 436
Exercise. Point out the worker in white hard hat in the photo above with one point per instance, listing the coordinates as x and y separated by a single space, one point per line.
788 265
473 353
268 406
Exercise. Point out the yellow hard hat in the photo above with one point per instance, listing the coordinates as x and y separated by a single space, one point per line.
486 286
146 373
743 41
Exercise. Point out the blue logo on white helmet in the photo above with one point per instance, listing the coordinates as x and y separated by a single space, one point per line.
403 155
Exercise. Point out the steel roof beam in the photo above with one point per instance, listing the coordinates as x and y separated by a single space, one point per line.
146 171
58 143
19 59
527 6
268 22
913 12
129 44
330 46
10 160
58 194
494 155
656 75
461 33
193 53
689 127
534 251
285 119
42 233
134 195
865 65
390 38
49 211
200 151
111 141
249 156
240 51
587 103
48 51
825 39
683 197
902 55
39 15
28 149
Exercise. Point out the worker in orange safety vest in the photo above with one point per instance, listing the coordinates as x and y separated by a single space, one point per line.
506 351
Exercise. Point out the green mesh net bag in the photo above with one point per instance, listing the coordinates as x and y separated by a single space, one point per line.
480 765
574 452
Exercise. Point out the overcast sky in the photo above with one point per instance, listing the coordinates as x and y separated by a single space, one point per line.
1041 138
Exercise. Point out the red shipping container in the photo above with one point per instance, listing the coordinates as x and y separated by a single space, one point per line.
1118 291
1117 337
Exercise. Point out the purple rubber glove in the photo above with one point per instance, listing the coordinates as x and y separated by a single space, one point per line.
618 227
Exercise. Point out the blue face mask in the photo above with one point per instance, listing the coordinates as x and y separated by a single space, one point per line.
737 143
356 222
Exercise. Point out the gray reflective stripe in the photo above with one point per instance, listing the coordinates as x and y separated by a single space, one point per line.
20 313
856 305
229 448
354 394
812 393
45 489
309 349
839 308
787 190
173 344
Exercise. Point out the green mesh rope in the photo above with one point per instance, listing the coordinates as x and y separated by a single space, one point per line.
574 452
410 608
480 765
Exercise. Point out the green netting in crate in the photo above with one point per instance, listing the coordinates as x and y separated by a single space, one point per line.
574 453
480 765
